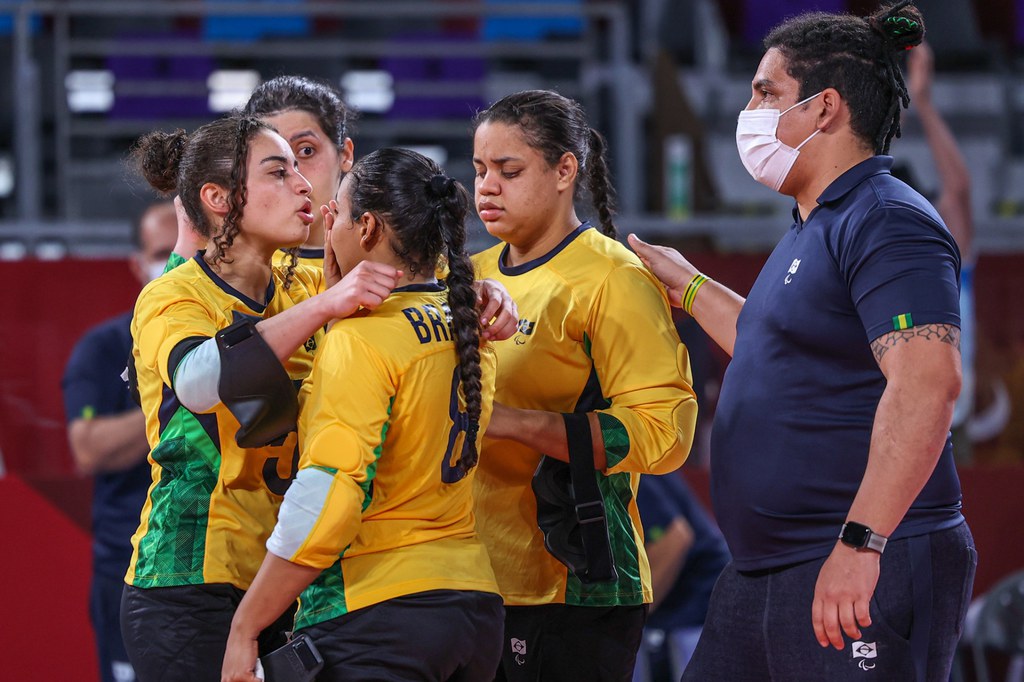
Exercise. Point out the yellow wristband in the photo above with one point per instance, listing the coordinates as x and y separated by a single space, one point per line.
691 292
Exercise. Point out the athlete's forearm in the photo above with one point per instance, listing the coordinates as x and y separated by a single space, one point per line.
542 431
291 328
108 443
667 556
276 587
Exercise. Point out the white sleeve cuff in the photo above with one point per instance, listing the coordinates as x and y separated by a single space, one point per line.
300 510
197 376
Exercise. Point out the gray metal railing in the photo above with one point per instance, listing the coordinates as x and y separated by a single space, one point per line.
602 56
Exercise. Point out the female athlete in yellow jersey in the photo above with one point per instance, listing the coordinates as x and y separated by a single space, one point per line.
213 503
595 343
377 533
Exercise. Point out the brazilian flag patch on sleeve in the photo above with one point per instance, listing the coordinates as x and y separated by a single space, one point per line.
901 322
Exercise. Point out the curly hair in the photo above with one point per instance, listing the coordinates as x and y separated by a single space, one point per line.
180 163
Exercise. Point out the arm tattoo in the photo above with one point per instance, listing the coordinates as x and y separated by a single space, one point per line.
945 333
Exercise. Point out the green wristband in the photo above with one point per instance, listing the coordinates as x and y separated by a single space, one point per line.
691 292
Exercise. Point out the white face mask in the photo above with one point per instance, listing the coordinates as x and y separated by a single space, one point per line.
154 270
764 156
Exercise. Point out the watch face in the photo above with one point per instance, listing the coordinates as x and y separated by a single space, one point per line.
855 534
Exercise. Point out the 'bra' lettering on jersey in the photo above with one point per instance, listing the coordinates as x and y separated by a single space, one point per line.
429 322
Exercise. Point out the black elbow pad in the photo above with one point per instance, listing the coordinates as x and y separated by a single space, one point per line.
255 387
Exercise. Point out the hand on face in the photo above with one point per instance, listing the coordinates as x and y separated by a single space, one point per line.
332 271
365 286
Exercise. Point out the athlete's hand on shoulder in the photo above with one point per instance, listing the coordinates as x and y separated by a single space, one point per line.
239 659
499 315
365 286
674 271
332 273
843 593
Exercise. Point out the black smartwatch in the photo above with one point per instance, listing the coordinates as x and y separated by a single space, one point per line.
859 536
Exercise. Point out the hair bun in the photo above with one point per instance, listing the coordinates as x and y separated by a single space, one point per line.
158 156
441 186
900 25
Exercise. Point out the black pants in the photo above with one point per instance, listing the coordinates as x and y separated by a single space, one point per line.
105 614
177 634
436 636
561 643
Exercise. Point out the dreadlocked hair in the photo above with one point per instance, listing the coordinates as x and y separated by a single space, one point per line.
859 58
180 163
553 125
425 213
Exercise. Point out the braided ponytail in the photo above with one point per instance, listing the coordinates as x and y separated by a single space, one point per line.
292 263
462 304
600 187
425 212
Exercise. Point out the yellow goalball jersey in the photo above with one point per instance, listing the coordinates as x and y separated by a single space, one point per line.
595 334
378 503
211 505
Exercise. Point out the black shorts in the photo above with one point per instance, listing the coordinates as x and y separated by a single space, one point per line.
562 643
440 635
180 633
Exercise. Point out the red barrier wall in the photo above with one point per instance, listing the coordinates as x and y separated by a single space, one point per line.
45 630
44 507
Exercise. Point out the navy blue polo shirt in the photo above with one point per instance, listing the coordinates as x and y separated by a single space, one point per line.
93 386
793 424
661 500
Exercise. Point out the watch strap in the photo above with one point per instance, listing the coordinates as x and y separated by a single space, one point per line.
876 542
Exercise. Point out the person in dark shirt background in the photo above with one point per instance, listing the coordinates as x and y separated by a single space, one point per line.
687 553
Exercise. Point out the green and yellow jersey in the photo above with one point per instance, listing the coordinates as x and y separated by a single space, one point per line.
378 503
211 505
313 258
595 335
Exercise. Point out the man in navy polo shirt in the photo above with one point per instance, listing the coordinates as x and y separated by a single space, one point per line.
832 472
107 434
